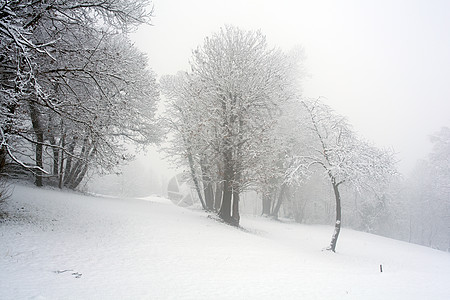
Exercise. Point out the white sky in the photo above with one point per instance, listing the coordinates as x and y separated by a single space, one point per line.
383 64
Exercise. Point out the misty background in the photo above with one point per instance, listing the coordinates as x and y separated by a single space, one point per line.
143 142
384 65
104 97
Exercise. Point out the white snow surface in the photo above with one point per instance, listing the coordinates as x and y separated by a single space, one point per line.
62 245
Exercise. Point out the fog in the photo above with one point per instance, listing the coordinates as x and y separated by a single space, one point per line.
383 64
258 137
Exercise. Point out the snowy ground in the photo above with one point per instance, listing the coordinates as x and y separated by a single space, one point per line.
69 246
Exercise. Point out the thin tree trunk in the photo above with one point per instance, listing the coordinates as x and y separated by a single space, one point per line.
68 169
79 177
266 203
39 163
73 172
225 212
55 154
62 142
55 161
337 226
237 178
209 195
11 108
302 207
277 207
236 217
61 164
2 158
82 168
225 208
218 196
194 178
55 150
34 114
207 186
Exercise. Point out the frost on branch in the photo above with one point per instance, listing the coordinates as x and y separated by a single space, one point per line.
73 88
342 156
224 114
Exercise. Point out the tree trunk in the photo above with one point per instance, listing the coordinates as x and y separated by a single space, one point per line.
225 208
195 180
225 212
337 226
39 163
2 159
11 108
55 161
79 176
68 169
218 196
237 177
62 143
209 195
277 207
61 164
38 131
73 168
236 217
266 203
236 197
207 186
55 154
84 166
74 173
51 138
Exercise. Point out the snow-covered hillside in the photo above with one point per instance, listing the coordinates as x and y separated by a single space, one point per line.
69 246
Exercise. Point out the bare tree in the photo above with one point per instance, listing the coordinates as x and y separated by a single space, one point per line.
70 64
239 84
278 171
183 115
344 158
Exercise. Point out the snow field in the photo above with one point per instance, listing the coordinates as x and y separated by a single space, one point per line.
63 245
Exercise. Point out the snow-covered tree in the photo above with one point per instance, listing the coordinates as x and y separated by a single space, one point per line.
73 83
344 158
108 97
240 83
182 92
278 173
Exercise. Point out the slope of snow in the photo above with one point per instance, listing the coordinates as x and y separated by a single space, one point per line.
69 246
